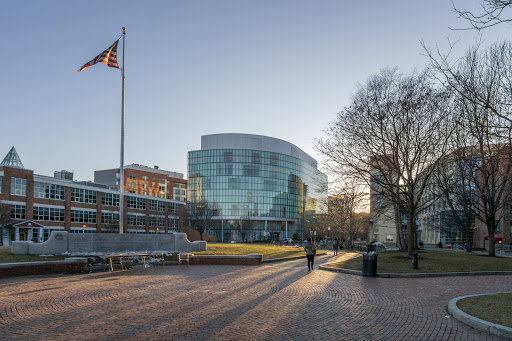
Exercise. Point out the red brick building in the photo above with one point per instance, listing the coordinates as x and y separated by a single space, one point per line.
31 206
145 180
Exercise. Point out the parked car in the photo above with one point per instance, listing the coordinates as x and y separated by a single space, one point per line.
287 241
379 246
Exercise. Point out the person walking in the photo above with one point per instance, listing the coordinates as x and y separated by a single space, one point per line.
310 249
335 245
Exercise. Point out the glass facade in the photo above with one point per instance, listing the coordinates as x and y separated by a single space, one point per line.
257 195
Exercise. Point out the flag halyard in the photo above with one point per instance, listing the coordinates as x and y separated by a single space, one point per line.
107 57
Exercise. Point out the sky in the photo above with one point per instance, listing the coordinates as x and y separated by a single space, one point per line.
279 68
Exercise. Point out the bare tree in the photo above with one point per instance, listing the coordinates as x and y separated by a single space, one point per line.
344 208
453 184
247 225
492 12
482 82
392 135
200 216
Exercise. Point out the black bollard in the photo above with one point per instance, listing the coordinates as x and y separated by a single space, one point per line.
415 260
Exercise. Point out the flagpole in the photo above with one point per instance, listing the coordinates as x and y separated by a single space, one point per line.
121 168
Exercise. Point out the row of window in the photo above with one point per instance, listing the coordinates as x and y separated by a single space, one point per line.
241 155
56 192
80 216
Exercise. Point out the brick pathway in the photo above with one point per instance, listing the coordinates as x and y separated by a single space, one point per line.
277 301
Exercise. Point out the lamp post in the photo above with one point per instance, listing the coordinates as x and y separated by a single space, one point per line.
329 232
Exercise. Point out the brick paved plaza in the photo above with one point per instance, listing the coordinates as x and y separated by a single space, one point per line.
278 301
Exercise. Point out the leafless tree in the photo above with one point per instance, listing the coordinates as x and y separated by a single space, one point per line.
492 12
247 225
453 184
200 215
345 205
391 137
482 82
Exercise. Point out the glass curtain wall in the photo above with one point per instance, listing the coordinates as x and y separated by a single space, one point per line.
257 195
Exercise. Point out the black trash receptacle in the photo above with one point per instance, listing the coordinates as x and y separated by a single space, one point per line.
370 264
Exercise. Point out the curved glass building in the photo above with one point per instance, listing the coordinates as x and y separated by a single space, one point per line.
257 188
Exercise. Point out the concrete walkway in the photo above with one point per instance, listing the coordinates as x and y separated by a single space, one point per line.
275 301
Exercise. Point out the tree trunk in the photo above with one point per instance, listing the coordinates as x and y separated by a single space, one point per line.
411 232
492 245
469 246
402 245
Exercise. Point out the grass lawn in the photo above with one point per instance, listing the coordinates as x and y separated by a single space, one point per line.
431 261
492 308
267 250
7 257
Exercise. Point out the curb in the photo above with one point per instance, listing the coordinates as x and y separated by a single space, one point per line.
479 324
418 275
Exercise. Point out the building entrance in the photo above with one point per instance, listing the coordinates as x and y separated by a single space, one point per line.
274 237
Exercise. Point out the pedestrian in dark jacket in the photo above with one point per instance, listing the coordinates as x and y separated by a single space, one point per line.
335 245
310 249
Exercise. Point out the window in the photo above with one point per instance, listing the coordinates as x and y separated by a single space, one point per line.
145 178
136 220
156 221
18 186
251 170
173 209
497 226
18 212
131 184
48 213
173 225
228 157
132 177
256 158
83 195
0 184
48 191
389 237
156 205
145 186
109 199
110 218
79 216
139 203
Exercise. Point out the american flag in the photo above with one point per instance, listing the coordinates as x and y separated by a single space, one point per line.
107 57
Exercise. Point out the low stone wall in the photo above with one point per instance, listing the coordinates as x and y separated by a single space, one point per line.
69 265
251 259
61 242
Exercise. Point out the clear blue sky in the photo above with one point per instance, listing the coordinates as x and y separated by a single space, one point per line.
271 67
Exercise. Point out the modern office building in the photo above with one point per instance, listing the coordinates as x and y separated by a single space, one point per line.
139 179
259 188
32 206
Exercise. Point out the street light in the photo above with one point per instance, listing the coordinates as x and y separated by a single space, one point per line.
329 232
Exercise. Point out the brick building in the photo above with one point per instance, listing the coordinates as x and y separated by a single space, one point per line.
32 206
139 179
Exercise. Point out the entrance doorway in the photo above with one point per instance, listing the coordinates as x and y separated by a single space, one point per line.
274 237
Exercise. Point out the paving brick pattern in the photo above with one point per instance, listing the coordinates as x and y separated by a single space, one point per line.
276 301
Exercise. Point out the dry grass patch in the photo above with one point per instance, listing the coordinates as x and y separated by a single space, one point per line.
268 251
7 257
492 308
432 261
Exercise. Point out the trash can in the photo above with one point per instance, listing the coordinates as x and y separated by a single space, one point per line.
370 264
